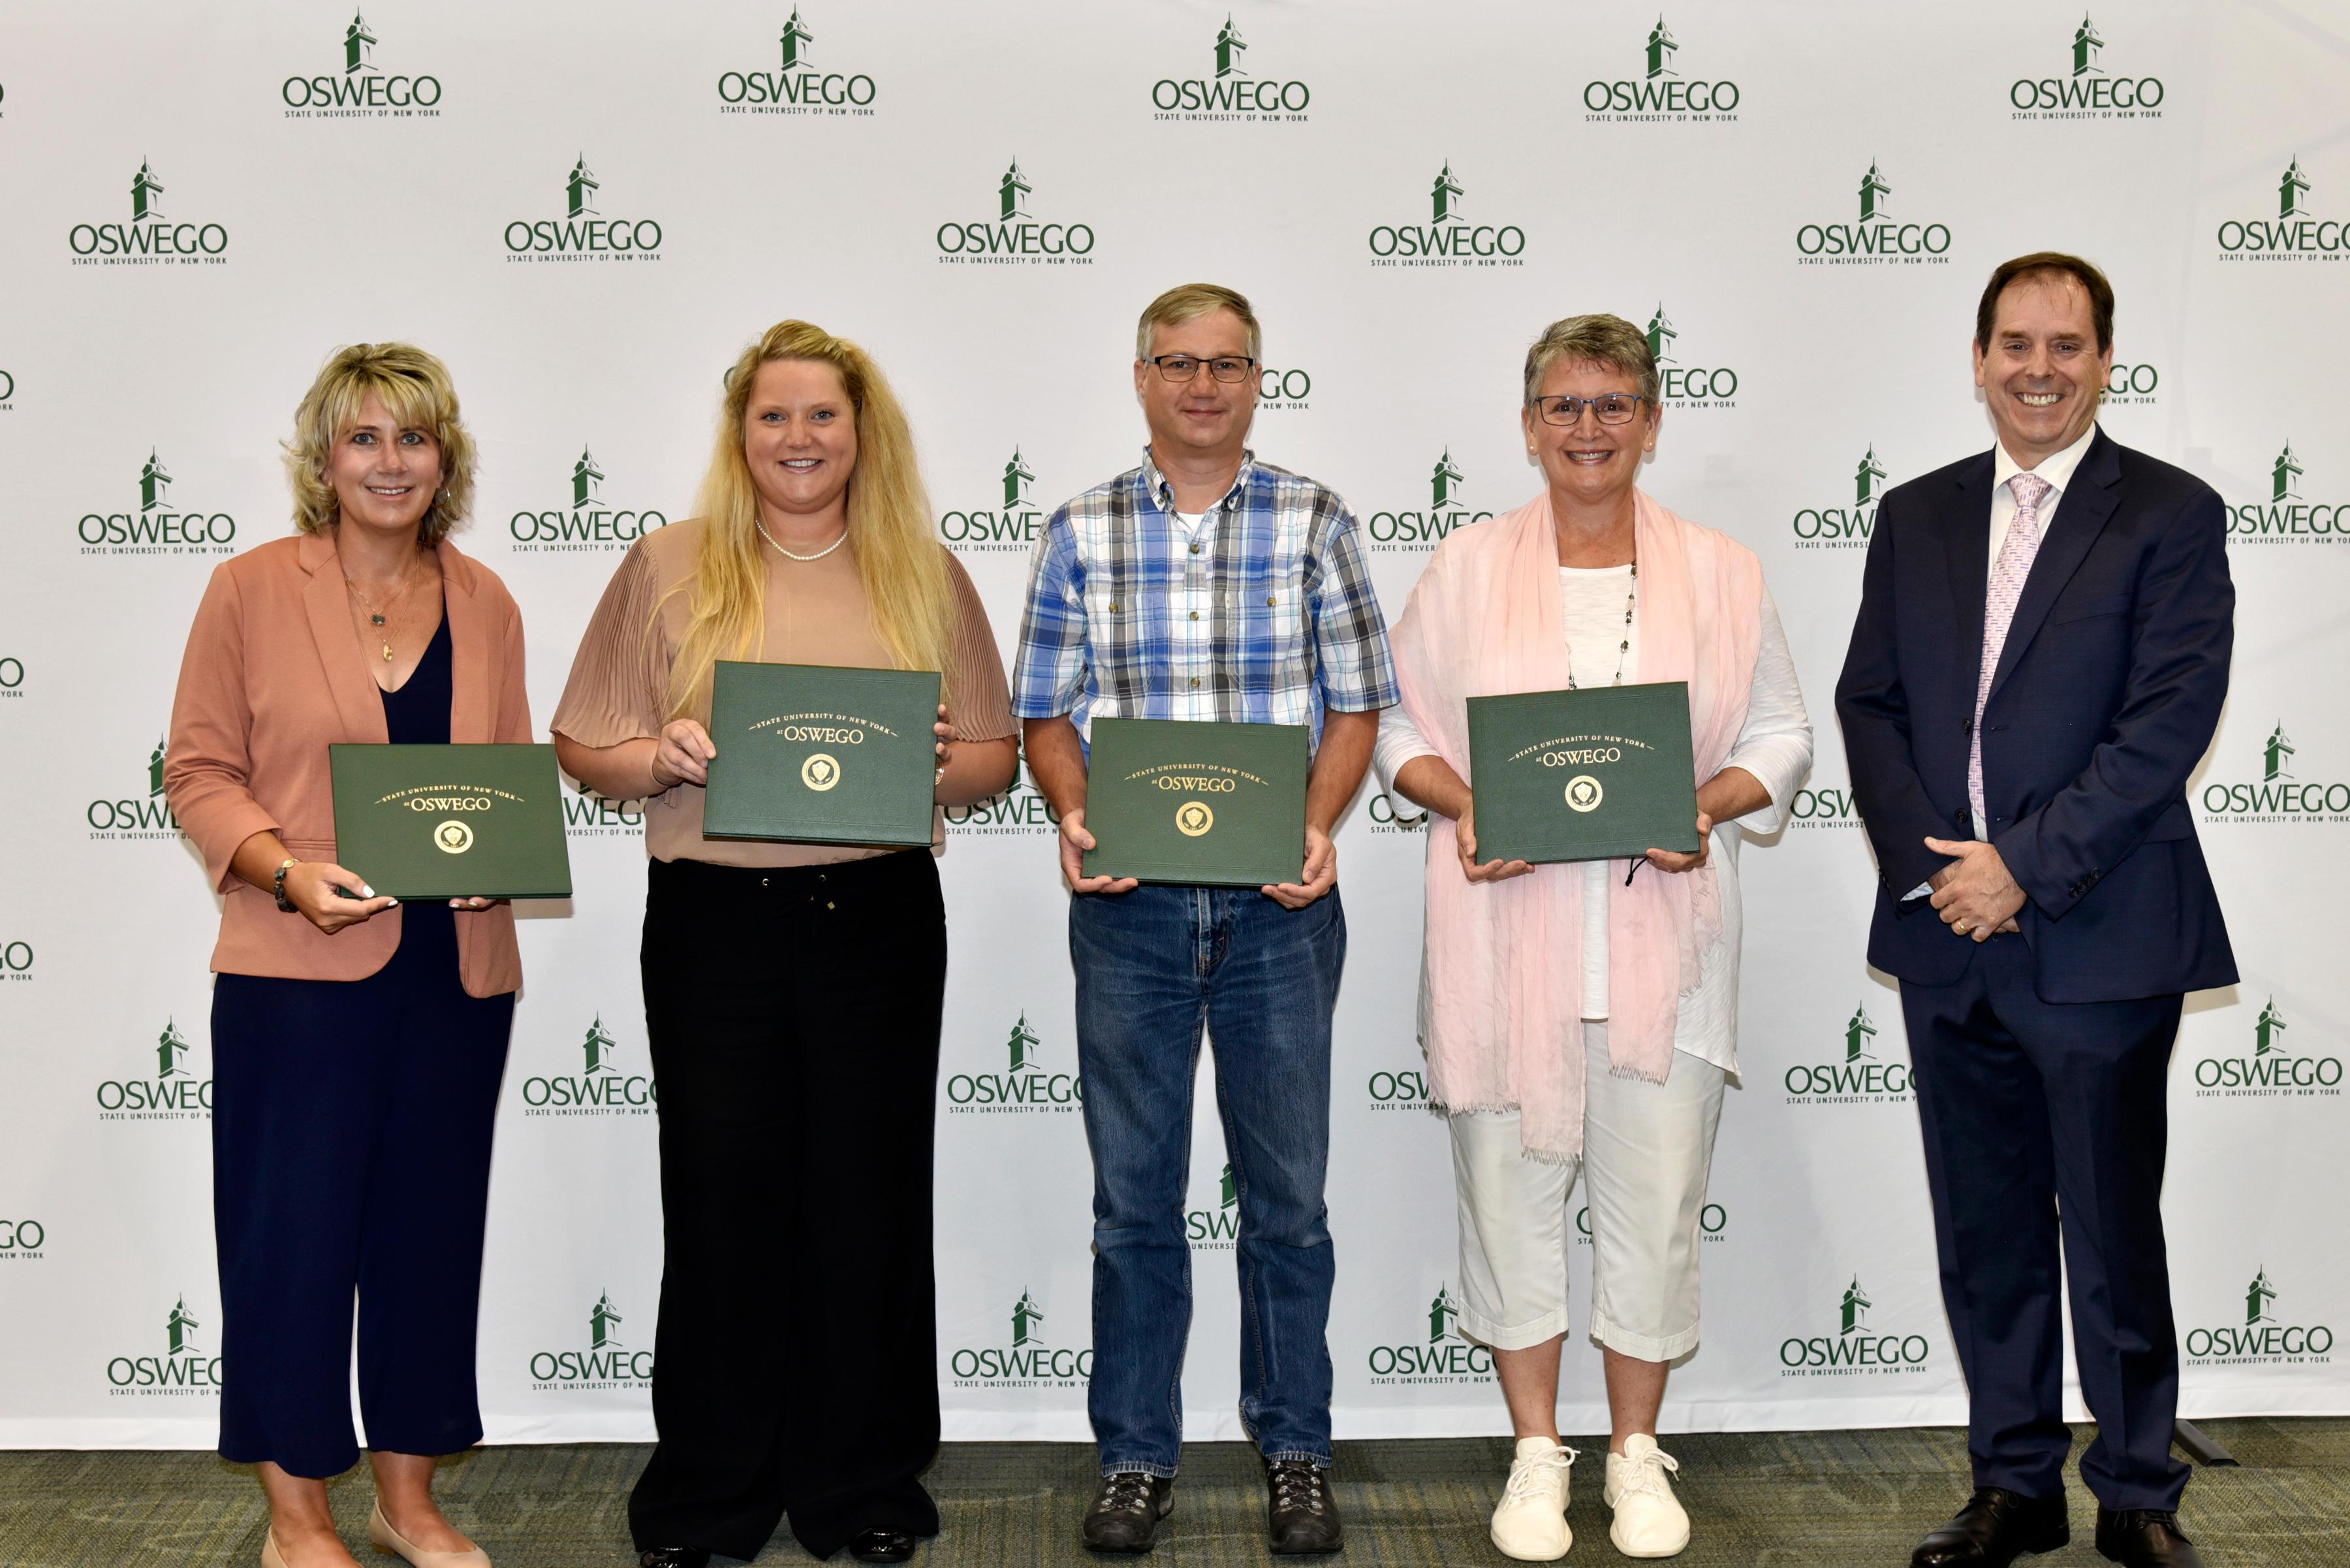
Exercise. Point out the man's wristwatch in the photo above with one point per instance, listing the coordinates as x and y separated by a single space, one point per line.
278 885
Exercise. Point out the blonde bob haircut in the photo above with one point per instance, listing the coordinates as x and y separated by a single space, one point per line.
1189 302
900 561
418 393
1609 340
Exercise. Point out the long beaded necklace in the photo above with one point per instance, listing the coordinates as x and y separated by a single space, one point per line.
1623 648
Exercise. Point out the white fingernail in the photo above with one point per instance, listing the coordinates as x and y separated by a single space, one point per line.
366 891
390 905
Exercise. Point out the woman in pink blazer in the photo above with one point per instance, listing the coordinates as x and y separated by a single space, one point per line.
357 1043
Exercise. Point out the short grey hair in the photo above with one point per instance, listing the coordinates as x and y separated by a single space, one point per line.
1609 340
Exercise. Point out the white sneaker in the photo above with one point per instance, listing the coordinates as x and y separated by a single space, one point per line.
1649 1523
1530 1521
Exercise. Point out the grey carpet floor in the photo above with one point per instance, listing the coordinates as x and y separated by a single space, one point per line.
1817 1500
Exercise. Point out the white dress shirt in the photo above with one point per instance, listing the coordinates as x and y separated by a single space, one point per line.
1775 745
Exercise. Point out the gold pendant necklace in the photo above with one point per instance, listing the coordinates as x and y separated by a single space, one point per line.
377 616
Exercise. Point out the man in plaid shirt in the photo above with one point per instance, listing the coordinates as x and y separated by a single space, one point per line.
1205 586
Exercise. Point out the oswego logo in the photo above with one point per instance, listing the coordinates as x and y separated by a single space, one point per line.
22 1240
2263 1338
1402 1090
360 91
15 960
1231 94
1855 1349
453 837
1843 524
1858 1079
586 814
1193 819
175 1095
798 87
2295 233
1681 386
1449 1356
1024 1087
2271 1071
155 528
1027 1361
1876 239
149 238
601 1087
147 816
1007 524
2286 517
1021 809
821 771
2280 796
2131 385
590 524
1661 93
1584 793
1415 531
606 1363
183 1370
1216 1230
1393 814
583 233
1015 239
1447 239
1823 808
2088 92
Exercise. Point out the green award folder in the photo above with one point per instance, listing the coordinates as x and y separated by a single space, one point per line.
451 822
1602 774
1203 804
822 754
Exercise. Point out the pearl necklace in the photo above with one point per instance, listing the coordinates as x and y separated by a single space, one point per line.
1623 648
819 555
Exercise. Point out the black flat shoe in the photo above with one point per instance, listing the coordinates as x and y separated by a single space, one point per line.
1995 1527
673 1557
1125 1514
2144 1538
1300 1513
881 1546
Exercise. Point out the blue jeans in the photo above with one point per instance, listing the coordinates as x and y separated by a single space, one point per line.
1152 967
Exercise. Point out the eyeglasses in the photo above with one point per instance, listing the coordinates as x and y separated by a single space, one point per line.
1186 366
1612 407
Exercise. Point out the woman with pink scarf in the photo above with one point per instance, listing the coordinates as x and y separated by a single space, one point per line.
1580 1016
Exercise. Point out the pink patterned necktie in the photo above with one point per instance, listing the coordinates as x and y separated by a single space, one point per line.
2016 553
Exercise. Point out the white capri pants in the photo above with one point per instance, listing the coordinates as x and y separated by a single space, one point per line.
1648 1149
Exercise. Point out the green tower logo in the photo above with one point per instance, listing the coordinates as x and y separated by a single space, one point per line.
795 40
2284 475
179 1328
579 189
1020 1049
1025 1315
1854 1307
2291 189
1444 196
585 479
155 770
1867 478
2086 45
2265 1032
169 1047
358 46
2257 1296
597 1048
1012 192
1228 50
1017 478
144 190
1857 1033
152 482
1445 481
1661 46
2273 752
1873 191
1661 335
1231 1189
1443 1312
600 1319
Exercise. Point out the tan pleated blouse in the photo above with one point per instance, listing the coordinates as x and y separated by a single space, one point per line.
817 614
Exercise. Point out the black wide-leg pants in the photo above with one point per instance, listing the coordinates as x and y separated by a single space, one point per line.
794 1017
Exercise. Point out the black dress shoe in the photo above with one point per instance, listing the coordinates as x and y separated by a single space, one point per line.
1300 1513
673 1557
1125 1515
881 1546
2144 1538
1995 1527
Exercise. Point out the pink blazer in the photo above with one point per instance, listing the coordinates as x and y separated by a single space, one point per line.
275 673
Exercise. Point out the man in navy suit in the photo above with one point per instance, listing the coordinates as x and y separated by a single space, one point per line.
2039 662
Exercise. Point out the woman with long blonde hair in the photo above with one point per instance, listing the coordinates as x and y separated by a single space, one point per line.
793 991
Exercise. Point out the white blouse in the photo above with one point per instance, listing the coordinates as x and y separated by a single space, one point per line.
1775 745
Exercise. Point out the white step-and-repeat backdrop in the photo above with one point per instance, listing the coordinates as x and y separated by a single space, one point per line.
588 208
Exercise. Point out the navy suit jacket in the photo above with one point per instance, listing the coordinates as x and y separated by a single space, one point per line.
2105 696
